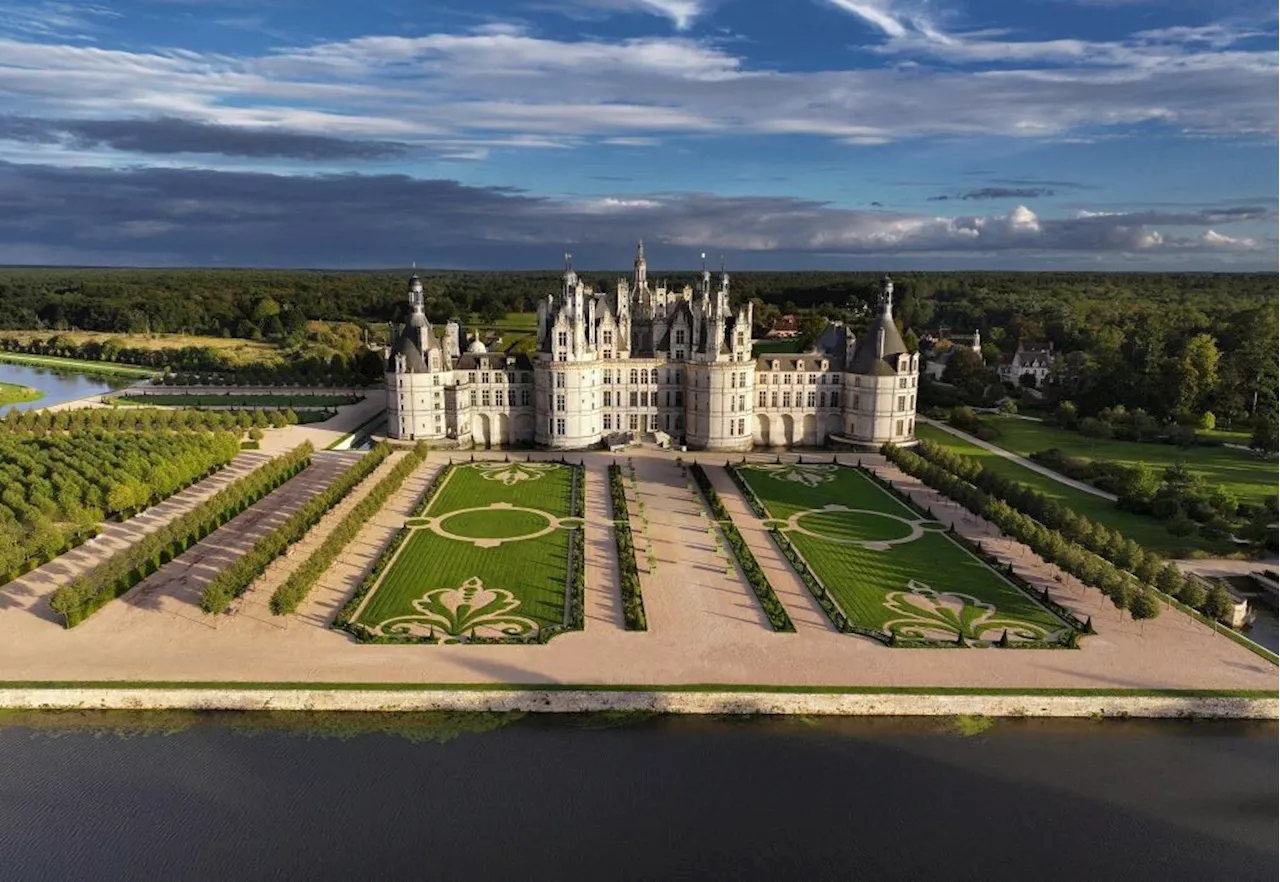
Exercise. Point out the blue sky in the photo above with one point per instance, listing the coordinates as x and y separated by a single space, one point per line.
1054 134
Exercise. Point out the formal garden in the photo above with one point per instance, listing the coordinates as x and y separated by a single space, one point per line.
883 569
494 555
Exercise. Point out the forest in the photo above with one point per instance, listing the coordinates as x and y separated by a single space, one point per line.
1175 345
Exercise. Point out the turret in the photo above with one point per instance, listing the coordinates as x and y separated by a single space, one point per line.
642 272
886 295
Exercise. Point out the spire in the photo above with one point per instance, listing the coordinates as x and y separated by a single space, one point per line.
570 277
641 276
886 294
724 274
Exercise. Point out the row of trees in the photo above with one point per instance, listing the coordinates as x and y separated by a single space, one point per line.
1091 552
89 592
82 420
628 573
235 578
55 489
297 586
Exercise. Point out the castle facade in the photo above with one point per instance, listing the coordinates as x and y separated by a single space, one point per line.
645 359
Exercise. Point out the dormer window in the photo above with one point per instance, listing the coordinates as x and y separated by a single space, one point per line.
800 365
563 338
826 365
773 365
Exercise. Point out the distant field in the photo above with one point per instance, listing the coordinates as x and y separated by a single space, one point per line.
12 393
74 364
764 346
890 569
231 400
234 349
1246 475
488 556
1146 531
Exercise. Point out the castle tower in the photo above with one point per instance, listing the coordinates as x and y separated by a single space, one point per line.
642 269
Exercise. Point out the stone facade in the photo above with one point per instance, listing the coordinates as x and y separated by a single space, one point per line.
645 359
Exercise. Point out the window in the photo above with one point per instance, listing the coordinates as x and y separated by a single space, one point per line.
484 378
679 335
733 405
812 399
471 377
435 380
786 379
471 398
857 401
902 382
484 398
835 400
912 403
822 399
742 424
511 397
786 399
813 379
902 402
633 421
524 397
608 338
679 422
634 396
773 399
608 355
742 402
608 399
679 355
799 365
559 427
608 377
608 422
635 376
742 379
653 375
563 338
511 377
644 399
559 402
679 398
560 380
762 397
899 427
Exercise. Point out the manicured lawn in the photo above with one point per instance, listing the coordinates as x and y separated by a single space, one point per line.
906 587
449 586
1244 474
161 399
1143 529
12 393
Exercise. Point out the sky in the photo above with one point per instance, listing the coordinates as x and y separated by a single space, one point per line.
501 134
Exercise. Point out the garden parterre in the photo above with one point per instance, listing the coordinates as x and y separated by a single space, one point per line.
488 560
889 568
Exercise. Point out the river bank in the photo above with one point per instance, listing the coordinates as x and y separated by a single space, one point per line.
710 699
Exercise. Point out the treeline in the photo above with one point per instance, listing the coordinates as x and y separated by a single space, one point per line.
235 578
55 489
89 592
298 585
143 419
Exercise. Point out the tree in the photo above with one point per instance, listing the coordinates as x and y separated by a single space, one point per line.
1208 421
1266 434
1143 605
1192 593
966 372
1218 605
1197 372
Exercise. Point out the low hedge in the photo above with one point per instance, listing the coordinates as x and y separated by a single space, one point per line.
753 501
628 573
295 589
235 579
89 592
343 619
756 578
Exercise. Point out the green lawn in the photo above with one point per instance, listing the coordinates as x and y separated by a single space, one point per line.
1143 529
12 393
450 586
282 401
75 364
875 586
1244 474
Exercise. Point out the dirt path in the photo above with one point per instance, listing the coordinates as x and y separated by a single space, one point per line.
603 601
174 590
255 604
32 590
1020 460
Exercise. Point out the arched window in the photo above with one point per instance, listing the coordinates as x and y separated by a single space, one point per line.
653 376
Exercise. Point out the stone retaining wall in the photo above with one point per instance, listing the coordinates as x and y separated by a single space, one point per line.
588 700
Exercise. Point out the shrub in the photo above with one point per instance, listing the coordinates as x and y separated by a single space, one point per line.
628 573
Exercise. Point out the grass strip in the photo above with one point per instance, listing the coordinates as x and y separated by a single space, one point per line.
295 589
755 576
111 578
236 578
628 574
75 364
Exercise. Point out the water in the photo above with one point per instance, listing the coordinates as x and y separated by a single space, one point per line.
58 385
425 796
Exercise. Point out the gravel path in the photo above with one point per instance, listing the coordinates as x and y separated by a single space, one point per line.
1020 460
